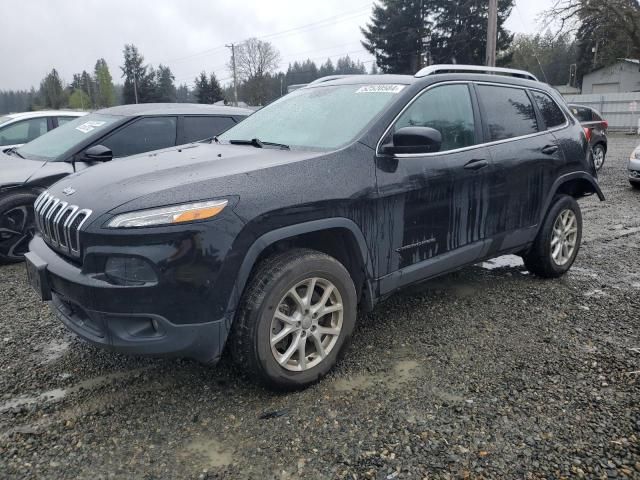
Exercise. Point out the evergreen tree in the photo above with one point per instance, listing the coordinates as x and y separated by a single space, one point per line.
327 69
395 32
215 90
165 90
105 92
202 88
52 95
139 83
459 31
346 66
184 94
374 69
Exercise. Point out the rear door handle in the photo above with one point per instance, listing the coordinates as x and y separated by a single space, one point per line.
476 164
550 149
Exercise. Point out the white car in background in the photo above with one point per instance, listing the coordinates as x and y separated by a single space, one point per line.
19 128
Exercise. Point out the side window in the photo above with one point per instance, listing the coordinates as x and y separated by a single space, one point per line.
582 114
143 135
23 132
448 109
508 112
200 127
551 113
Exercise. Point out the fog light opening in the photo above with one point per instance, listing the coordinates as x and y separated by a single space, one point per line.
129 271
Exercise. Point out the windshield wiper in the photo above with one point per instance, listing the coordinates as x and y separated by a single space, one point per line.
256 142
14 151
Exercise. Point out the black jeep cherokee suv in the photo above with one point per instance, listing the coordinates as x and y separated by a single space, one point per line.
330 199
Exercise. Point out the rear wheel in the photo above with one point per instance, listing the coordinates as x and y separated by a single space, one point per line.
598 156
17 226
556 246
295 320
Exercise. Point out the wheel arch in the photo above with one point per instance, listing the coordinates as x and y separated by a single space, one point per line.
339 237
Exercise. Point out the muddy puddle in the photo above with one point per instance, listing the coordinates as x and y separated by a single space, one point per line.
402 372
58 394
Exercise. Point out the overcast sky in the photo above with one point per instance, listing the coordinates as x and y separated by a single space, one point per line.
187 35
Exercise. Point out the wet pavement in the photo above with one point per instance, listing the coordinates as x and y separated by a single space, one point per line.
485 373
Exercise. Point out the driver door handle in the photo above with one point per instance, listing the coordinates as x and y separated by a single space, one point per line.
550 149
476 164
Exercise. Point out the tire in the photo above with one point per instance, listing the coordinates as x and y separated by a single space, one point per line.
256 324
540 258
599 154
17 225
635 185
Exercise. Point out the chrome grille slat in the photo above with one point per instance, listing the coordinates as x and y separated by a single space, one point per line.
60 223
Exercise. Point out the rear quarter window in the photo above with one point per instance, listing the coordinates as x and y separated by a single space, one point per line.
551 113
582 114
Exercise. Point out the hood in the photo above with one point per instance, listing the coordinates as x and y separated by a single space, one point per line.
15 170
171 176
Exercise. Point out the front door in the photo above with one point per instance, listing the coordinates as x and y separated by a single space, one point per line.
433 206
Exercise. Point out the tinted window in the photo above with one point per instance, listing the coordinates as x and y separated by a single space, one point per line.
142 135
56 143
447 109
508 112
199 128
551 113
23 132
582 114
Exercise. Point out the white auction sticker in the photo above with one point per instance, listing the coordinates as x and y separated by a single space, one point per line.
380 89
86 127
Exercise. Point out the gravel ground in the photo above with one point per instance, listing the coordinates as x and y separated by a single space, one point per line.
485 373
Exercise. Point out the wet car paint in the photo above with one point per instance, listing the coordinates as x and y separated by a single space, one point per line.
410 218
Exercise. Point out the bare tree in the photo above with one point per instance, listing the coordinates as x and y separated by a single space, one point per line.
570 14
255 59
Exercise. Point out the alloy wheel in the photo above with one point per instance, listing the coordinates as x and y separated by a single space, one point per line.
598 157
564 237
307 324
17 227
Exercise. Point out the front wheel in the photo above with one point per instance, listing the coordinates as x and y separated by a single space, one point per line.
598 156
556 246
17 226
295 320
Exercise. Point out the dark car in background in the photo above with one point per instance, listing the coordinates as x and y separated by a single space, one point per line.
595 128
330 199
98 137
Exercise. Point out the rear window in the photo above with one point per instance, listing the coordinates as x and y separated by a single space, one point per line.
551 113
198 128
582 114
508 112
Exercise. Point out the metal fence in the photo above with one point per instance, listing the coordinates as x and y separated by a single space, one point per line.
621 110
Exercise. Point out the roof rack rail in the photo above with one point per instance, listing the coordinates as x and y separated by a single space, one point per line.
328 79
444 68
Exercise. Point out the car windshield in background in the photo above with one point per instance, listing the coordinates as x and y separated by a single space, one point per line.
323 117
52 145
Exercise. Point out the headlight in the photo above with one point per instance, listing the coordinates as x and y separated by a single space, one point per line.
188 212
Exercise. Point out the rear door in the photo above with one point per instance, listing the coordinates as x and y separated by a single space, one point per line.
525 156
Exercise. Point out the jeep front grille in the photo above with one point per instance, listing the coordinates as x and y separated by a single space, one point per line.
59 223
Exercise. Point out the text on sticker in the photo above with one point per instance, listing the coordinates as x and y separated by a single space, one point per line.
380 89
86 127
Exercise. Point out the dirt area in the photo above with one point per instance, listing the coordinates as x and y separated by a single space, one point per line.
486 373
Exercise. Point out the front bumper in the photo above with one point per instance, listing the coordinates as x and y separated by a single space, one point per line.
634 170
131 320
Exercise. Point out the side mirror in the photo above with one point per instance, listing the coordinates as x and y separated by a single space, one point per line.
97 153
414 140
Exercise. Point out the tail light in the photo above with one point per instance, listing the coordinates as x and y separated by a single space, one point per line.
605 124
587 133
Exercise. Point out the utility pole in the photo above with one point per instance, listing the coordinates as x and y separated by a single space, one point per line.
135 86
235 75
492 33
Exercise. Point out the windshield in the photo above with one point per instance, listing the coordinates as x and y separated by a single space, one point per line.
53 144
324 117
5 119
